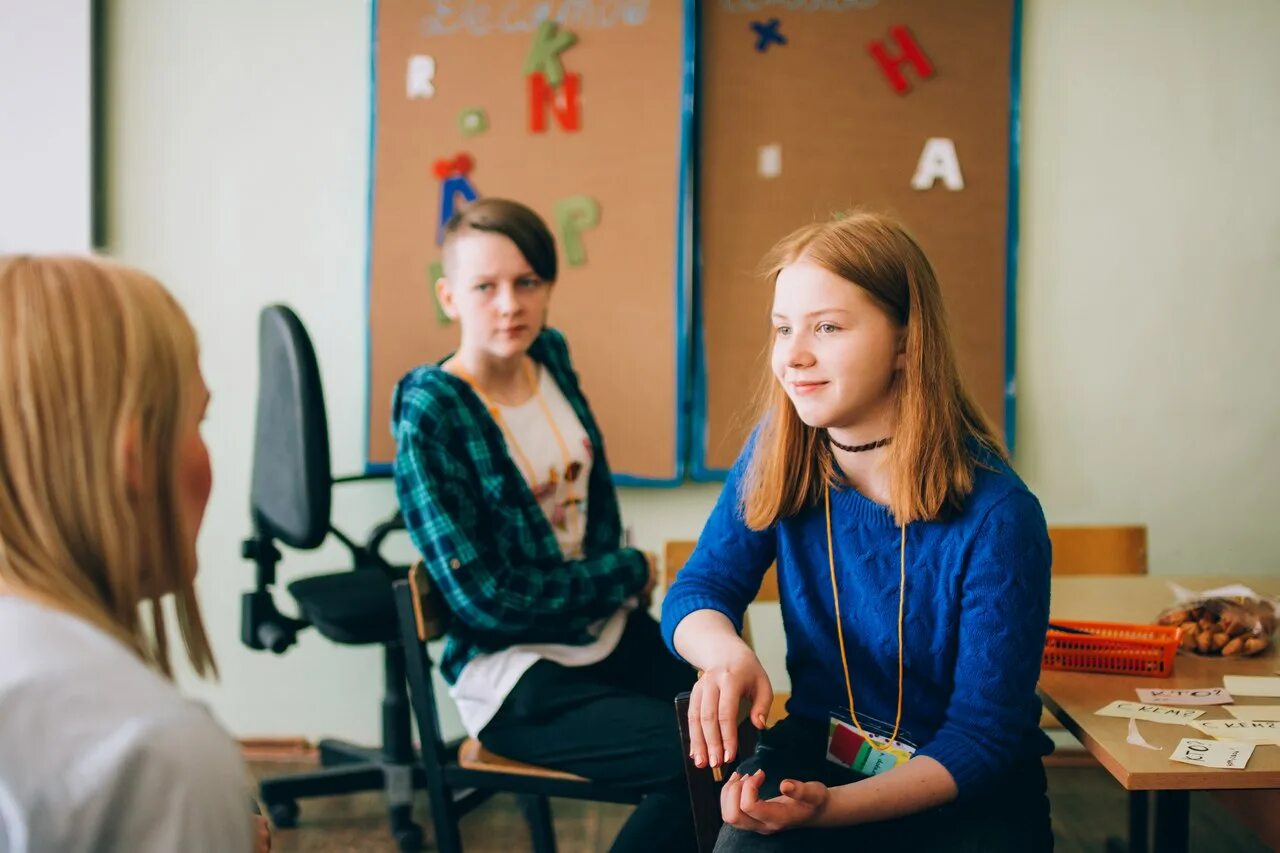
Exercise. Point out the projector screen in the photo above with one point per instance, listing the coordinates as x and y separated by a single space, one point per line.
46 128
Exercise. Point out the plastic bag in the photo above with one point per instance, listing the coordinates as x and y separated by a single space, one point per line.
1230 621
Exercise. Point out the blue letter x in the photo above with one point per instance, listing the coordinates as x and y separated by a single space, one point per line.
767 33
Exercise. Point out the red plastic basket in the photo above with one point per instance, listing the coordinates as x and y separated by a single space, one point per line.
1114 647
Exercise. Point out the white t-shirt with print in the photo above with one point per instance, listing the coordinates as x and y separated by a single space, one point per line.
560 487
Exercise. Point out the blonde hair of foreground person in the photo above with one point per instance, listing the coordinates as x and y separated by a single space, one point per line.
91 353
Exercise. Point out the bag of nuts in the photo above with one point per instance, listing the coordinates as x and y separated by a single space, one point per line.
1229 621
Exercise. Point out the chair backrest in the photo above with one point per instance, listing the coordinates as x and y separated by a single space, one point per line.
290 496
1099 550
704 784
428 609
420 615
1077 550
676 553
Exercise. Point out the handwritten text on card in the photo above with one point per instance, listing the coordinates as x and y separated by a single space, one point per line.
1185 696
1213 753
1155 713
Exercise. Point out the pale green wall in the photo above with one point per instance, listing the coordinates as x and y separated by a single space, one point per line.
1147 293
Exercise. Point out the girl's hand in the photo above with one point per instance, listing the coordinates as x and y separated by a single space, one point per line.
713 707
798 804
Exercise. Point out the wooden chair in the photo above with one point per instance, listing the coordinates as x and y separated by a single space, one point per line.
1097 550
704 783
676 553
1077 550
462 775
1101 550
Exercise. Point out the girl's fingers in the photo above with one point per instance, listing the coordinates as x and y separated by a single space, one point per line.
809 793
728 712
729 794
697 743
709 720
763 701
729 806
750 794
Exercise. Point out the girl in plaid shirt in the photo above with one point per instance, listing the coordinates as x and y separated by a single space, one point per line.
501 473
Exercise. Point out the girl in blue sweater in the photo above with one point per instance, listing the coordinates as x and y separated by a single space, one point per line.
882 493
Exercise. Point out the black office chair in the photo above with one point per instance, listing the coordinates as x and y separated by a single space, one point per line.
461 775
290 503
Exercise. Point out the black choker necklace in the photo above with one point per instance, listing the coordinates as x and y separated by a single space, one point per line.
858 448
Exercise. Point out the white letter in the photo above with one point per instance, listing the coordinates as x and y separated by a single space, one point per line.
421 70
938 160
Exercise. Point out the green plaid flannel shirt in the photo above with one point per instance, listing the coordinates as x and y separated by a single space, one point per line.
488 547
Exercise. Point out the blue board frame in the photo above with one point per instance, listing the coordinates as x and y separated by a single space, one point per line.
698 469
683 280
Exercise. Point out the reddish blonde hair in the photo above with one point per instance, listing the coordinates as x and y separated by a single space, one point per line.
930 464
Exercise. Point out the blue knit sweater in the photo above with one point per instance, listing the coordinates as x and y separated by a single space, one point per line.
977 604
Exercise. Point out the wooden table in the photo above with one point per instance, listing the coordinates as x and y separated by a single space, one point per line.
1074 697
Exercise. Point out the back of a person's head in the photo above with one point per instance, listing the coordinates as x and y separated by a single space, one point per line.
96 362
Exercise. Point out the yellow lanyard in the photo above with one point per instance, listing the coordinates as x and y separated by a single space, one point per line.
844 660
510 435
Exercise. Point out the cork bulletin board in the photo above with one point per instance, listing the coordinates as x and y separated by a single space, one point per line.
582 110
908 107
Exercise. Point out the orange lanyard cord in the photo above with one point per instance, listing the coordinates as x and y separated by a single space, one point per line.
844 660
496 413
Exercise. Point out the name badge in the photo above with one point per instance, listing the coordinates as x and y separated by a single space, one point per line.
848 748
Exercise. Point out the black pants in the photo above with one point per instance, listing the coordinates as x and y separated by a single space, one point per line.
612 722
1012 818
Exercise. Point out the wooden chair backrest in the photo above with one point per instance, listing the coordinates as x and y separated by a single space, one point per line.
428 610
1099 550
1077 550
677 553
418 614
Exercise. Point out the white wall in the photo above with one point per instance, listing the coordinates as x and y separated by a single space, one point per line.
1148 288
45 147
238 147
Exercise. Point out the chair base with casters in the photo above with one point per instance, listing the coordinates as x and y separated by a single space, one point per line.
354 608
462 774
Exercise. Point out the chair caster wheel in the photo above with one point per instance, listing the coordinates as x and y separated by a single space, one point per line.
409 839
284 814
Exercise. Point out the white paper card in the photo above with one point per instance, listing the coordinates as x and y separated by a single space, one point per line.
1135 737
1255 712
1252 685
1245 731
1213 753
1184 696
1154 713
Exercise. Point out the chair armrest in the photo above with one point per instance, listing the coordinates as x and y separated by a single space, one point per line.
383 530
360 478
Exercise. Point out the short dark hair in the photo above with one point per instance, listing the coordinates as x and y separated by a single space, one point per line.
514 221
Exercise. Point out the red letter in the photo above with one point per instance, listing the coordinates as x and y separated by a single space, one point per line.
563 102
892 65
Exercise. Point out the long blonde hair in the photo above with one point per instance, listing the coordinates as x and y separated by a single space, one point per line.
930 466
95 355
